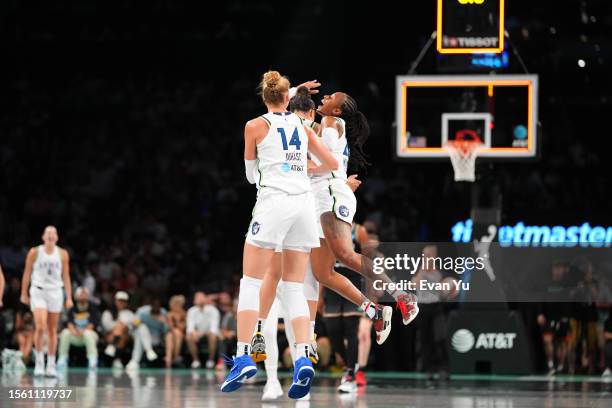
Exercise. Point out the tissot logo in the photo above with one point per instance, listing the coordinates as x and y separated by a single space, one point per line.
462 341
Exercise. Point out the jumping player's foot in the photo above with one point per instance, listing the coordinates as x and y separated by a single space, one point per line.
243 367
382 323
258 348
303 374
272 391
360 379
312 351
407 304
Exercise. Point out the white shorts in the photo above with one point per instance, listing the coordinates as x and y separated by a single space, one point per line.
50 299
336 196
284 221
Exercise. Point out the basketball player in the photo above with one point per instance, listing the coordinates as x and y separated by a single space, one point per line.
344 130
47 269
284 216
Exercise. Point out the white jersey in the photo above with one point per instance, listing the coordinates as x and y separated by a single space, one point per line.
340 152
282 155
47 269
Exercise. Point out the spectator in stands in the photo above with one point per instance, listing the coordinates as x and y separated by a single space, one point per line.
116 324
80 331
2 285
554 318
596 297
176 330
228 334
151 328
22 316
608 346
203 321
432 318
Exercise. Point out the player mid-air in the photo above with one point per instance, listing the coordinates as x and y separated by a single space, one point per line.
46 273
277 144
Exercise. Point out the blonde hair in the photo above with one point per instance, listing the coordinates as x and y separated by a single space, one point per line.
273 87
177 299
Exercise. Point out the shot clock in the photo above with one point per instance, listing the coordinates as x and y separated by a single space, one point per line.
470 26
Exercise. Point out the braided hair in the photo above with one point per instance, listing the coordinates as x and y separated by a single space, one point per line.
357 133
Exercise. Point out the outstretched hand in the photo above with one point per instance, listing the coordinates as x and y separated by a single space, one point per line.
312 86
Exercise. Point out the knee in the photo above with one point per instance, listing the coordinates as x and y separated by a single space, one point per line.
89 334
344 254
41 328
65 334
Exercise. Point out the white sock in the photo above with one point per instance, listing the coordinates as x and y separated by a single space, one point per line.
260 325
40 357
301 350
396 294
312 330
369 308
271 371
51 360
551 365
243 348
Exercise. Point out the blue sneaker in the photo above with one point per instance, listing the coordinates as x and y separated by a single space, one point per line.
243 367
303 373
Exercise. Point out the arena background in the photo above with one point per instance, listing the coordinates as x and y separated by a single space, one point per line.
123 126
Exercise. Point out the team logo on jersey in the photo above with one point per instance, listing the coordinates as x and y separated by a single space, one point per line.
255 228
343 210
285 168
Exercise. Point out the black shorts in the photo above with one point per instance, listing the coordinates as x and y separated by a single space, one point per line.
559 328
335 304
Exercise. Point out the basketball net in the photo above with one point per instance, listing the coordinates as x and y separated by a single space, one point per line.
463 153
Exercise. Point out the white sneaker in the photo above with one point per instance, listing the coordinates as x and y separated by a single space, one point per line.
92 363
62 363
607 373
196 364
39 369
117 364
272 391
132 366
151 355
347 385
304 398
110 350
210 364
51 371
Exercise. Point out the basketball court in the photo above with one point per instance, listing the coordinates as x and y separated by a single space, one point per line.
186 388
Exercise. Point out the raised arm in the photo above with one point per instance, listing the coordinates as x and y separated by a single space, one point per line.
27 273
321 151
66 278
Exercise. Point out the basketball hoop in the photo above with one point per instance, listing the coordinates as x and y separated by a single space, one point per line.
463 153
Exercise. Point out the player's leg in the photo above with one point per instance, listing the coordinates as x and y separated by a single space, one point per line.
311 292
272 389
267 296
40 328
350 329
52 323
338 235
365 344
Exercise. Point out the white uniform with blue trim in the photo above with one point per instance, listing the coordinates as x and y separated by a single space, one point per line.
330 189
47 281
284 214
